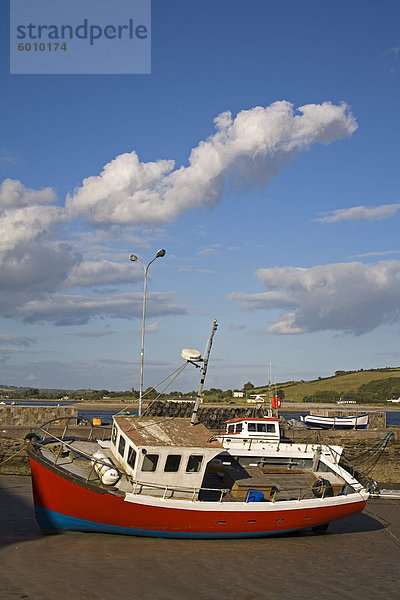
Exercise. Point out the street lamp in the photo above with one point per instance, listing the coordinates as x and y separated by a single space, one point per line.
134 258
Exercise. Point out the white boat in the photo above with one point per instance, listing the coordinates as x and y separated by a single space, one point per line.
336 422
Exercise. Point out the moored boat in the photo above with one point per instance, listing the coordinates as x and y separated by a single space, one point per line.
336 422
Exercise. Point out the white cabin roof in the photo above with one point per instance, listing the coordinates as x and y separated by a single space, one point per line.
161 431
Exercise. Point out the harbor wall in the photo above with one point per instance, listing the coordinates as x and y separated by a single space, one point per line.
33 416
17 421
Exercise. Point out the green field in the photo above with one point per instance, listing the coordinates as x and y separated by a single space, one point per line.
344 385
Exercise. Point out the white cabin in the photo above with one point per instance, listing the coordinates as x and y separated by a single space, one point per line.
163 452
245 431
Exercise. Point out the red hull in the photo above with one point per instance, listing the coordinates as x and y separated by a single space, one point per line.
67 504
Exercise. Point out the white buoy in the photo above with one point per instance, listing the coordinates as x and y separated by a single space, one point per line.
104 468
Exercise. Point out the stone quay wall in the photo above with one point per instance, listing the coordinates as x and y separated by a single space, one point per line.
212 417
33 416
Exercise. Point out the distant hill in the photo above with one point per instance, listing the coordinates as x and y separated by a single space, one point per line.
374 385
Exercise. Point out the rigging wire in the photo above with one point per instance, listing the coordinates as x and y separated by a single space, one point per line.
178 371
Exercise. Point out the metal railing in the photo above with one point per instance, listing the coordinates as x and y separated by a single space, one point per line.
67 422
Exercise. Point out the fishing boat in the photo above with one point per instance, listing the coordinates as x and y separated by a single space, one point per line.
168 478
172 477
336 422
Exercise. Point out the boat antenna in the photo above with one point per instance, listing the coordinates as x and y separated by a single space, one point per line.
193 419
269 387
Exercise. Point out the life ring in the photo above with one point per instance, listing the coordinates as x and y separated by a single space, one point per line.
322 488
276 402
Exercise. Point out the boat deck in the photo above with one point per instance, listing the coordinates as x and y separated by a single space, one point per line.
230 483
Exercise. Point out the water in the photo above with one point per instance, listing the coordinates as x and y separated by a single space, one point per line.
105 415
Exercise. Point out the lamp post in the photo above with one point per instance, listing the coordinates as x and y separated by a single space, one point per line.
134 258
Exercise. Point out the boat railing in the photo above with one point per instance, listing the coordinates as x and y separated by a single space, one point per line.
249 442
168 491
65 424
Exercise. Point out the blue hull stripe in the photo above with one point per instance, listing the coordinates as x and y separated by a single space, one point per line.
53 522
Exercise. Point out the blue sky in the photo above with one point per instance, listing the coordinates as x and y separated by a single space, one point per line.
280 221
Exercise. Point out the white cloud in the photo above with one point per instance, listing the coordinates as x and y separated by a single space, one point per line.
31 263
377 253
238 327
361 213
23 225
91 334
31 272
251 149
210 250
16 340
102 272
79 310
149 328
14 194
347 297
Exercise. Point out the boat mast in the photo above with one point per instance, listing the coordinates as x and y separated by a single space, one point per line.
193 419
269 389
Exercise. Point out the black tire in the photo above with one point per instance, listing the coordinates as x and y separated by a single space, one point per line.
322 488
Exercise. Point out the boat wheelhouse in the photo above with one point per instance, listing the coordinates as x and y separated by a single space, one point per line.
250 431
161 453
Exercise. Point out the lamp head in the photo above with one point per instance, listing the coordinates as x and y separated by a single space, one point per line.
133 257
160 253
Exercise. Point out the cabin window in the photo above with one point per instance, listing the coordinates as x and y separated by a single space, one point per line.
131 457
194 463
172 463
150 462
251 427
270 428
239 427
114 435
231 429
261 427
121 445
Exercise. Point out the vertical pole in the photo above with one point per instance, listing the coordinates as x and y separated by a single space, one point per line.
193 420
142 346
134 258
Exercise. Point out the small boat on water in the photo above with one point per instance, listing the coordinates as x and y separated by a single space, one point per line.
350 422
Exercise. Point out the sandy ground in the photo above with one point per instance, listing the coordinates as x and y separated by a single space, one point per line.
358 558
